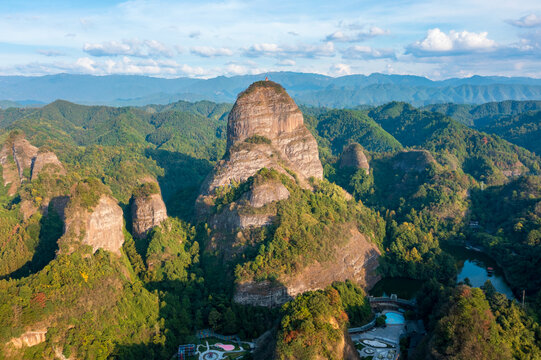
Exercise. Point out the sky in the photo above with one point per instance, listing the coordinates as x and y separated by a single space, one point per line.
204 39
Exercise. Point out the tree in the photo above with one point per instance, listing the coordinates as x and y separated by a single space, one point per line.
215 319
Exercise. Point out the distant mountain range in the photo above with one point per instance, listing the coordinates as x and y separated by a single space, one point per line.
307 89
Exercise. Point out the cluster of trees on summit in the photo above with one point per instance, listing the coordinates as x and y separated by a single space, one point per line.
433 171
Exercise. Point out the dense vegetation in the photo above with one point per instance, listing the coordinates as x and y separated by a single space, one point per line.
308 229
429 177
484 114
314 324
472 323
341 127
523 130
510 229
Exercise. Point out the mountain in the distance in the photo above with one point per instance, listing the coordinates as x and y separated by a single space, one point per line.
306 88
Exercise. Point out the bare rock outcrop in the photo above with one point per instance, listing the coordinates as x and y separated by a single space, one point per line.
22 161
99 227
29 338
357 261
23 154
265 130
266 110
268 192
513 170
148 210
251 209
353 156
46 161
9 169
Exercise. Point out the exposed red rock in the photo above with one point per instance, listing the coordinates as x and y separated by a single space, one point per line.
357 261
353 156
99 227
147 212
47 161
265 129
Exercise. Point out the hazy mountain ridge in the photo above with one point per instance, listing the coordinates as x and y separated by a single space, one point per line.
306 88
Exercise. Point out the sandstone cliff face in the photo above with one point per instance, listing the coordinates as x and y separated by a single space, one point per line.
268 192
357 261
46 162
23 154
9 169
100 227
147 212
265 129
22 161
354 157
29 338
265 109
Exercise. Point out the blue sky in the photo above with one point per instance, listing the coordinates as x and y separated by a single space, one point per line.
436 39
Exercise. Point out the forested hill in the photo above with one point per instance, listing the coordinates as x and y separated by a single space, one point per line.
484 114
516 121
420 178
306 88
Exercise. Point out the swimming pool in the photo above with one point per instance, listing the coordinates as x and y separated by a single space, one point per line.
394 318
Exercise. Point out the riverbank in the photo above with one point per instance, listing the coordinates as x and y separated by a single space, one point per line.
473 263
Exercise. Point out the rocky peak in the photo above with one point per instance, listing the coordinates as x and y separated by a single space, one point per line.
93 217
265 130
148 209
46 161
9 169
264 109
23 154
353 156
22 161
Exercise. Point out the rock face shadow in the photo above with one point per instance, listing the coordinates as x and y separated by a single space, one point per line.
182 179
51 229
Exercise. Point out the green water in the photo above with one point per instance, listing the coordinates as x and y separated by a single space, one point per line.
473 265
404 288
470 264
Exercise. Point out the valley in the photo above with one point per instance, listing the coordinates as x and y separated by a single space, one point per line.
126 231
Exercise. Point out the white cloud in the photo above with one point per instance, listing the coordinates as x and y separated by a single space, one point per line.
86 65
528 21
131 66
339 36
208 51
239 69
340 69
530 43
286 62
50 53
438 42
134 47
367 52
299 50
263 49
195 34
155 47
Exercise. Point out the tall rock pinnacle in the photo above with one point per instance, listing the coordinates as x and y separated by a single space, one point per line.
263 109
265 129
